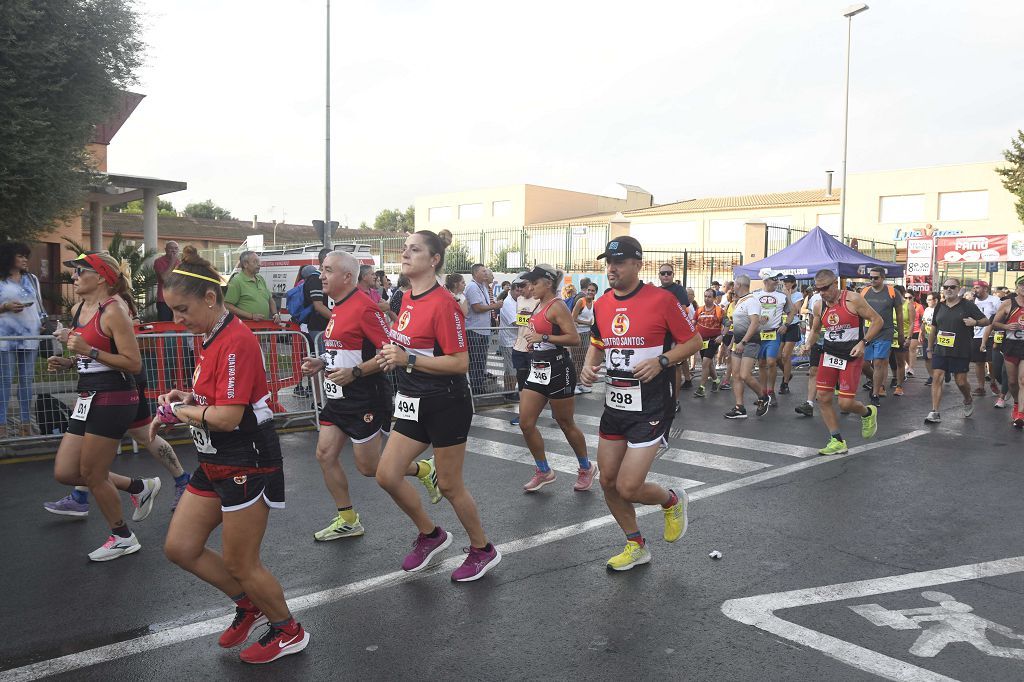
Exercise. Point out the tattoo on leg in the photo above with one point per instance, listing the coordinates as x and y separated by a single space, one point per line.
167 457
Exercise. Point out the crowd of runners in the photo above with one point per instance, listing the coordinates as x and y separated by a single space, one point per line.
649 345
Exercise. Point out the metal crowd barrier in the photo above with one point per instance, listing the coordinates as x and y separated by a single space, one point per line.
168 361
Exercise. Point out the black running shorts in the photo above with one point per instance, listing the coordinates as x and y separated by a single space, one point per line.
638 433
443 421
559 371
712 350
358 426
239 487
792 334
108 421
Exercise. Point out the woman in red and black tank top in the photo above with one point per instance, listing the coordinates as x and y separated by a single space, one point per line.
1009 319
552 377
433 407
107 356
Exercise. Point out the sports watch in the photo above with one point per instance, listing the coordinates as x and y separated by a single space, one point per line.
94 353
544 338
412 363
663 361
357 372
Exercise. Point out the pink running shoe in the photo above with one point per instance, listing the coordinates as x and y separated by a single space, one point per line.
539 480
585 478
477 563
424 549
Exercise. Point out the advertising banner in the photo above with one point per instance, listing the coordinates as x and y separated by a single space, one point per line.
919 264
981 248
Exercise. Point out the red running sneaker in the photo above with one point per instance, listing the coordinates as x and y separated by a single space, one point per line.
246 621
275 643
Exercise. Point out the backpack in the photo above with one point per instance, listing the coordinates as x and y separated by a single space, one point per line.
51 415
295 301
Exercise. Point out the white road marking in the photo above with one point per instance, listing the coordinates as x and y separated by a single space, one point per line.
184 633
691 457
759 612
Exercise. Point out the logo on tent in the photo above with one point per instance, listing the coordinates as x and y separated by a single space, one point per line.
764 272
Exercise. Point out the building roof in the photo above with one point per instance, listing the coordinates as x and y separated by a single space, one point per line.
588 219
804 197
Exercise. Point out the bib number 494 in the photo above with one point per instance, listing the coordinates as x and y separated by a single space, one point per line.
407 408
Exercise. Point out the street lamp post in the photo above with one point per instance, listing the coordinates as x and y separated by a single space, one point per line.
850 12
327 137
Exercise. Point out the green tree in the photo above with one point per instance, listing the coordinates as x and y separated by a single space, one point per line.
207 209
63 67
364 226
163 207
499 261
1013 177
457 258
138 260
395 220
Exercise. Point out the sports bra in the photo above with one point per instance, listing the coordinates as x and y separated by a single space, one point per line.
92 334
543 326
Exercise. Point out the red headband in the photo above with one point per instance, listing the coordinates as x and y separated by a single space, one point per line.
100 266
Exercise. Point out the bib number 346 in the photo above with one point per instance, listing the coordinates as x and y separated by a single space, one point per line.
407 408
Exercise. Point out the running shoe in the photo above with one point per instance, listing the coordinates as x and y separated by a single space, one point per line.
761 407
676 520
67 506
477 563
688 383
245 623
179 490
933 417
968 409
995 388
784 389
910 372
699 393
585 389
876 400
579 389
585 478
275 643
881 392
143 502
869 422
772 400
868 385
725 386
948 377
978 392
928 381
1000 403
806 409
716 384
114 547
424 549
539 480
892 382
737 412
514 421
834 447
897 392
634 555
340 528
429 481
1018 419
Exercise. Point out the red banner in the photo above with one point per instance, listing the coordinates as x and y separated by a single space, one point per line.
973 249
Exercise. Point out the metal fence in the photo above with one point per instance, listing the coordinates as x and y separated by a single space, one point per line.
692 268
778 237
39 402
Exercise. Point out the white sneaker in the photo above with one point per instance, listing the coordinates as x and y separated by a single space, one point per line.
114 547
968 409
932 418
579 389
585 389
143 502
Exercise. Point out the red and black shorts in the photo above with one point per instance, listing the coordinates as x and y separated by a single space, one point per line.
638 432
358 426
848 379
143 416
239 487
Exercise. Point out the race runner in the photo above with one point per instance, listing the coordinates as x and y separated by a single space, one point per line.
814 307
746 347
792 336
952 338
710 326
883 299
1010 322
776 316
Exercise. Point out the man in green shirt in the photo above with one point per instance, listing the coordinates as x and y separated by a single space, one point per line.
248 295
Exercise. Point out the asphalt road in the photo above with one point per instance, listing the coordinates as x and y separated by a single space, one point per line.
887 517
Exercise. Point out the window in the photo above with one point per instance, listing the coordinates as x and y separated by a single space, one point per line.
963 205
829 222
500 209
471 211
904 208
722 230
666 234
439 214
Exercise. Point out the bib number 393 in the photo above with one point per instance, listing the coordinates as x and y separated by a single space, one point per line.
407 408
333 390
833 362
82 406
540 373
623 395
201 437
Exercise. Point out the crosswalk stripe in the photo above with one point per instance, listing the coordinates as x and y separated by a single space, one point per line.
563 463
723 439
701 459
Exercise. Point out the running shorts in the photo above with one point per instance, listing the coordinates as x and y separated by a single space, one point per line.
770 349
727 340
751 349
143 416
814 356
443 421
358 426
238 487
878 349
637 433
978 355
711 351
792 334
848 379
558 369
110 413
945 363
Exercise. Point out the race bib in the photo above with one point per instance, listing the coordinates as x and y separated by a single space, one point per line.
623 394
945 339
540 373
928 329
82 406
704 346
332 390
998 337
867 323
833 362
407 408
768 336
522 319
201 437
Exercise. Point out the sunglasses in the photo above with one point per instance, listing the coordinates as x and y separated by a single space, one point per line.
663 273
951 287
79 271
825 288
874 277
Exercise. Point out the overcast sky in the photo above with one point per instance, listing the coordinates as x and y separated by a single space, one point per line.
684 99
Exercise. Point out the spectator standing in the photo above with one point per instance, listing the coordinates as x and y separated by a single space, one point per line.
480 299
248 295
508 332
163 266
395 302
456 286
20 315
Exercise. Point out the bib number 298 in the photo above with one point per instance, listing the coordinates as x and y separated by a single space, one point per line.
407 408
625 398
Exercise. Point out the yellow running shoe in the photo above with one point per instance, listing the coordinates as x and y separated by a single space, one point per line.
634 555
429 480
869 422
676 520
339 528
834 447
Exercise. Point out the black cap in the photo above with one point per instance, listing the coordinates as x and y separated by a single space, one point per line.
789 278
623 247
541 271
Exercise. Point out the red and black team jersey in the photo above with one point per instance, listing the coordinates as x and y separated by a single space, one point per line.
634 328
93 375
1013 342
841 328
430 325
227 373
356 331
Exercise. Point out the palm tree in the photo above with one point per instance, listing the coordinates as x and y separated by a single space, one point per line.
139 262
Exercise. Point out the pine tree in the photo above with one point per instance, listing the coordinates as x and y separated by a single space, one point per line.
1013 176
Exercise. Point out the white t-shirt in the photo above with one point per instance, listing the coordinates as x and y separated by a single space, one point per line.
989 307
773 307
745 308
507 320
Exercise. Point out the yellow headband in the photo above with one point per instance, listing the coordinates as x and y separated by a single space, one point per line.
197 276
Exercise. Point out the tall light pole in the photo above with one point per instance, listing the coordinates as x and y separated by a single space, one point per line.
327 138
850 12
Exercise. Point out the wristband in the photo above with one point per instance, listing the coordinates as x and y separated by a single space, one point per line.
205 425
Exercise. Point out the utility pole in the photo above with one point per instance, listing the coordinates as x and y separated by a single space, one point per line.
327 139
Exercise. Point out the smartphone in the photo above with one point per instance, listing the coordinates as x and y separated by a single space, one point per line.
28 303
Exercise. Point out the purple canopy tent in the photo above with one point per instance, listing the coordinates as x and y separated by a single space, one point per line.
817 250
